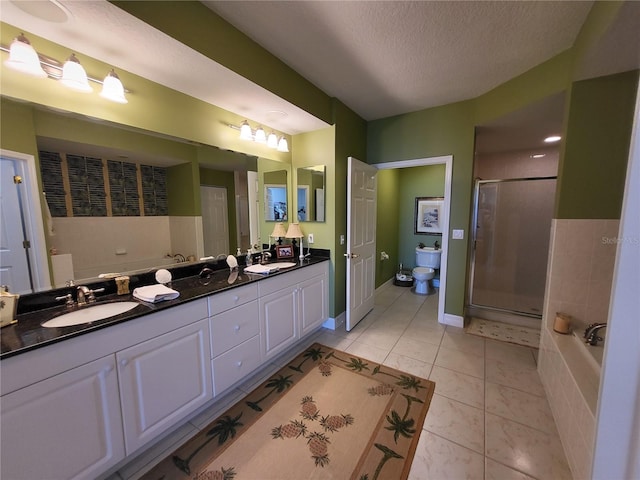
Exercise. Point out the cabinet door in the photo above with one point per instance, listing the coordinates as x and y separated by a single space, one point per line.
162 380
278 321
68 426
312 296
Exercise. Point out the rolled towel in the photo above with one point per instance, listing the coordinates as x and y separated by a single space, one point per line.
155 293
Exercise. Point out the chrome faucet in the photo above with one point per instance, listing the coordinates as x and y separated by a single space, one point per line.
86 295
263 258
591 333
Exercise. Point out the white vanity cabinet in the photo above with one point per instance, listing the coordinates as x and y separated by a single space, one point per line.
162 380
291 306
67 426
235 336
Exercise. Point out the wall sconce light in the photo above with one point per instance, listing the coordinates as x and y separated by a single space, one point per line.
24 58
260 136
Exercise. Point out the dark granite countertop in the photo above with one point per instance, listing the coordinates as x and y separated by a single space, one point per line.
34 309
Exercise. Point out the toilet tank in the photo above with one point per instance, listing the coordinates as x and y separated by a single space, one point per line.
428 257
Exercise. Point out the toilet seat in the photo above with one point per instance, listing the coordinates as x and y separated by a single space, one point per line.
423 273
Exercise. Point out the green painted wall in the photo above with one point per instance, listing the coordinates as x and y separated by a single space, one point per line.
596 148
17 129
447 130
217 178
388 224
183 190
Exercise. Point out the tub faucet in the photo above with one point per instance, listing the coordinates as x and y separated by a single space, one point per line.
591 333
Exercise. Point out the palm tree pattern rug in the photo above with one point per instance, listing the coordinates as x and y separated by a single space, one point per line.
326 415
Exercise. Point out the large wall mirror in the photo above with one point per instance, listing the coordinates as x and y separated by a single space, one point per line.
110 217
310 195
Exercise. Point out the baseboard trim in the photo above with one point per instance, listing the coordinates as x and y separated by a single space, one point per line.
453 320
335 323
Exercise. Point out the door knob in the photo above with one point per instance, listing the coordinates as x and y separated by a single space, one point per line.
351 255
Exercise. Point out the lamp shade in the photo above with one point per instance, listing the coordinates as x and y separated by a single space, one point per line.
294 231
24 58
261 137
74 76
112 88
279 230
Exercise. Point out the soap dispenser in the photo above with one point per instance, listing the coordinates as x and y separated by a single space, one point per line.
249 259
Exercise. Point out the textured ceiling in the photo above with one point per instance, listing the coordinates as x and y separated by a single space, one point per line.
388 58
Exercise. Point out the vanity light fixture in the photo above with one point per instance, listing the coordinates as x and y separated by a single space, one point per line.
259 135
553 139
112 88
74 75
283 145
272 140
24 58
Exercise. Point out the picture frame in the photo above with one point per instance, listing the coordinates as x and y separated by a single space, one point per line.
284 251
428 215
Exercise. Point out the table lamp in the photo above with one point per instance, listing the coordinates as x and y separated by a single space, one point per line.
279 232
294 232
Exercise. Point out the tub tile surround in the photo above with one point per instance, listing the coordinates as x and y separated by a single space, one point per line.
580 273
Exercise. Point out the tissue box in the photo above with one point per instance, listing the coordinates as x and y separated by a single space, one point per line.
8 307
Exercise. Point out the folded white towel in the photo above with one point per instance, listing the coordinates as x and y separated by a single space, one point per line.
261 269
155 293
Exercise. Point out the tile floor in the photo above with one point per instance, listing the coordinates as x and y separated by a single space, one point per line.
488 420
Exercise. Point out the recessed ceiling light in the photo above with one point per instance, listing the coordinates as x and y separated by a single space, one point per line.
553 139
48 10
538 155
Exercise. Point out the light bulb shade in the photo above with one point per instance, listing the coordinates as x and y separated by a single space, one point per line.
74 76
260 137
279 230
283 145
24 58
272 140
245 131
294 231
112 88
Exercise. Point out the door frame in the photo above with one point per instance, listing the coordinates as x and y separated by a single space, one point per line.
33 221
447 160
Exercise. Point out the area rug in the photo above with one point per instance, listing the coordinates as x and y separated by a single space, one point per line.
327 414
529 337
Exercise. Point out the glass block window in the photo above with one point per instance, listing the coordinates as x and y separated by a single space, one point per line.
53 186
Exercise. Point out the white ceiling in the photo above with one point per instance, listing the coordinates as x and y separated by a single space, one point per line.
380 58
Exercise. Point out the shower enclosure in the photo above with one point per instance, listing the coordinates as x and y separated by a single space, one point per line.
512 221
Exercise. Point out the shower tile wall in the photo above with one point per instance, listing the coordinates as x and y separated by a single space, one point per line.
581 262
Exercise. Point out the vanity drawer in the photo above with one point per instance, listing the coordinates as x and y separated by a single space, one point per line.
236 364
231 328
220 302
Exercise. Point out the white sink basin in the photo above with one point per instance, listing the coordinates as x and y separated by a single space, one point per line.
268 268
90 314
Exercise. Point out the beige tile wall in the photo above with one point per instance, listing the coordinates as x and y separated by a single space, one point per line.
579 276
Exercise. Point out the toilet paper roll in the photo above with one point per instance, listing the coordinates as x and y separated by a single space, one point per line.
562 323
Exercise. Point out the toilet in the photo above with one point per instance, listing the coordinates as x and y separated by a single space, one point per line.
427 261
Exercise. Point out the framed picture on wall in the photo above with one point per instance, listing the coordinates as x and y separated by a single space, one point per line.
428 215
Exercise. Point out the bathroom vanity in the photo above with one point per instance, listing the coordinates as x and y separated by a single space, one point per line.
75 406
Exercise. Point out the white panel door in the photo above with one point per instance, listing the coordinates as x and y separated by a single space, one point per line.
162 380
14 266
215 220
68 426
361 240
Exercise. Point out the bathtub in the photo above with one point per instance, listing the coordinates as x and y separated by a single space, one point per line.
592 353
137 266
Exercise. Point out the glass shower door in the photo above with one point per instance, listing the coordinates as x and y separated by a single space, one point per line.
511 244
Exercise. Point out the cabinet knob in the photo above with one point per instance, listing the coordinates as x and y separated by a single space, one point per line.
236 298
239 364
108 369
237 328
124 362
